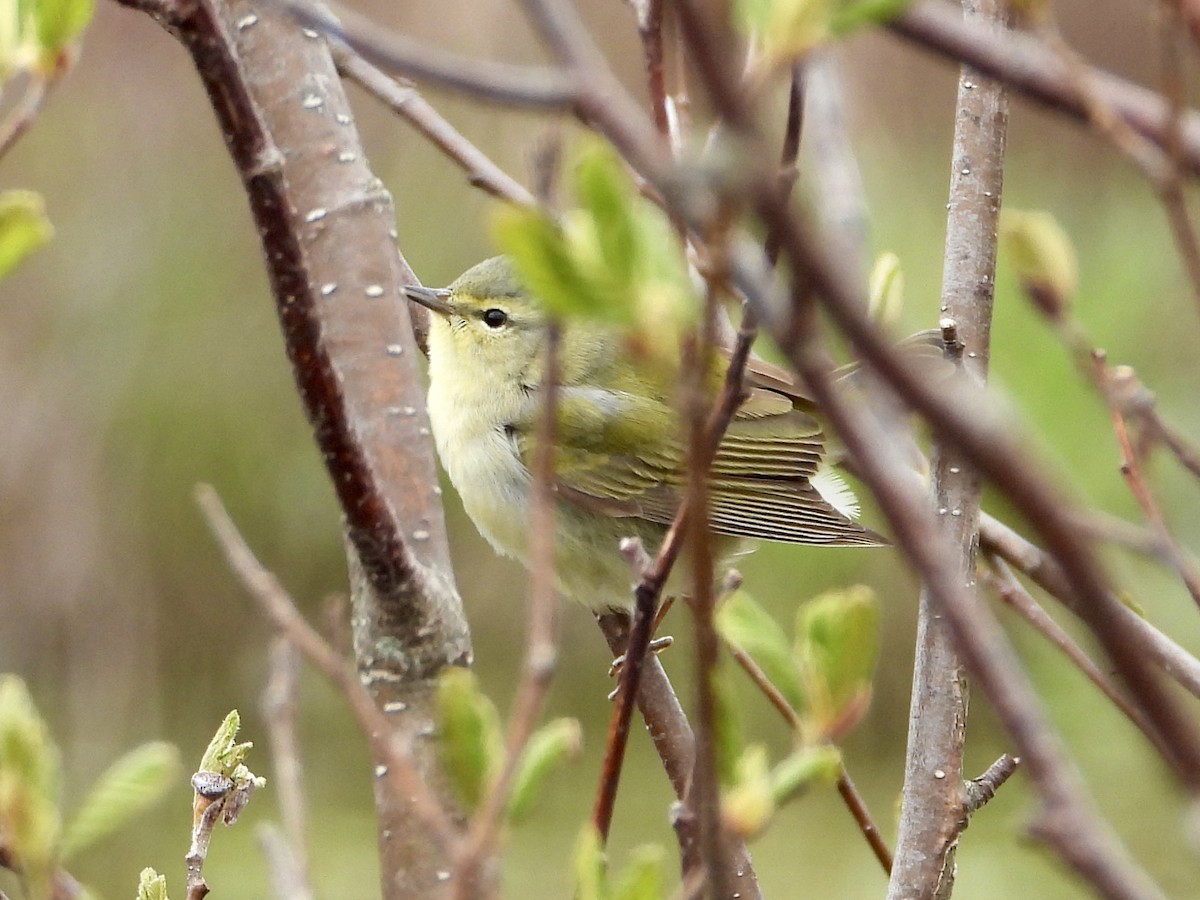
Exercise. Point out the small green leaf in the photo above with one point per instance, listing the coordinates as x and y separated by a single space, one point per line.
548 747
886 289
151 886
222 754
749 805
23 227
471 746
1043 257
542 258
643 878
837 647
29 784
60 23
132 784
744 624
607 196
588 866
806 766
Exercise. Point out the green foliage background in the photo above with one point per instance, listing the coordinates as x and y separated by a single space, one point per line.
139 354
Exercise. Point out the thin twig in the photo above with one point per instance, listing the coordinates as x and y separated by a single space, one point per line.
281 610
1173 660
287 877
1131 468
522 86
854 801
279 704
981 790
999 578
541 645
24 111
406 101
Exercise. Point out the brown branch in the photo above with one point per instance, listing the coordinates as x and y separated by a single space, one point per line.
1025 65
933 810
326 232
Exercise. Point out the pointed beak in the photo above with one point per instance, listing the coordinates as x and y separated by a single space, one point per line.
435 299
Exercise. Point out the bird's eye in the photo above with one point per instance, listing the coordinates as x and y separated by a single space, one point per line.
494 318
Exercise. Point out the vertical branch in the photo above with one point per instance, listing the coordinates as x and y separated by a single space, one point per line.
704 796
934 801
327 229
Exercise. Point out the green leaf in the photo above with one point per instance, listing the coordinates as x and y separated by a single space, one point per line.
151 886
643 878
607 196
588 866
837 647
131 785
548 747
222 754
613 259
749 805
23 227
745 625
806 766
1040 251
29 785
540 254
886 289
59 23
471 747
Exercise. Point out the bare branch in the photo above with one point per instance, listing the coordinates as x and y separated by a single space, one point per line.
932 809
406 101
1024 64
279 706
527 86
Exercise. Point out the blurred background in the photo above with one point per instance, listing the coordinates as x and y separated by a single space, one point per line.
139 355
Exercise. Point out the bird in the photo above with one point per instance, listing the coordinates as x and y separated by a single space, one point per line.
619 440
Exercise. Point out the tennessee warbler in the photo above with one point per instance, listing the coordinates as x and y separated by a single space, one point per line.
619 440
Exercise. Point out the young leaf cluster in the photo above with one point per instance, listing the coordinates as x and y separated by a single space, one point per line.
472 746
614 258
